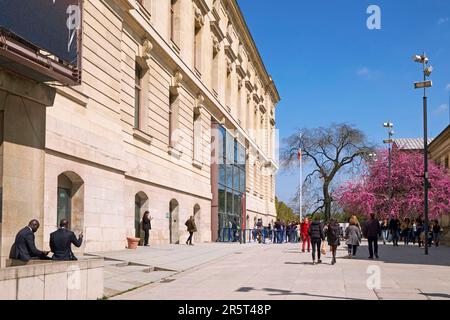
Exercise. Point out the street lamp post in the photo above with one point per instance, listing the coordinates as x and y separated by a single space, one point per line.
418 85
389 141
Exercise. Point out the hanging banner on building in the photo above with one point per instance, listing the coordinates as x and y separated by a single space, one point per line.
51 25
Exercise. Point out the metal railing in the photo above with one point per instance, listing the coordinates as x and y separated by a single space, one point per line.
253 235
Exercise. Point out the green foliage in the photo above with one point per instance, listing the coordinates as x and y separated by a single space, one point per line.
284 212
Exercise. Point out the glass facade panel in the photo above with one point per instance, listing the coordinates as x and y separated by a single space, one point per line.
229 208
242 181
222 200
236 173
231 185
222 175
229 176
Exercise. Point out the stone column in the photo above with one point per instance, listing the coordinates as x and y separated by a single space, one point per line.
23 106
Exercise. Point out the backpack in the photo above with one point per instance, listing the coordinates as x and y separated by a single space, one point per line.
332 233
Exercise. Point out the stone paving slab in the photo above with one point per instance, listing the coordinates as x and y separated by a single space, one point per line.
280 272
126 270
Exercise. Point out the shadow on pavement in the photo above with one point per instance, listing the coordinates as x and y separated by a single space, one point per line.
282 292
410 254
436 295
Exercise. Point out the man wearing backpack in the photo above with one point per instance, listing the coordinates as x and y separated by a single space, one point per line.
333 238
191 228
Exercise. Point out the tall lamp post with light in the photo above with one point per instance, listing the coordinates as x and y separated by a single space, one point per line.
419 85
389 141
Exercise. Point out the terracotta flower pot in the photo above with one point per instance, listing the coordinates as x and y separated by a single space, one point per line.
133 242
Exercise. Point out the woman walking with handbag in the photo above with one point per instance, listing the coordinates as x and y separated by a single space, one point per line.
353 236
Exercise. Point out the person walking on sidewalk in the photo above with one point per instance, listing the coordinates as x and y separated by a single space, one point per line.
304 234
372 231
333 238
385 230
436 232
191 228
146 226
353 236
394 226
316 234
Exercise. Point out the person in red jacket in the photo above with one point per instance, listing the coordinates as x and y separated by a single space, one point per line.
304 228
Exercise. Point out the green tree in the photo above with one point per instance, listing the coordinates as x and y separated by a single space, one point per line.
284 212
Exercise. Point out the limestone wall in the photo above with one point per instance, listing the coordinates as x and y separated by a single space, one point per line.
74 280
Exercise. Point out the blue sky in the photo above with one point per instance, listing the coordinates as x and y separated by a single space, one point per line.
329 67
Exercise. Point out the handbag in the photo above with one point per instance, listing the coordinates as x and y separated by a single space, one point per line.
324 248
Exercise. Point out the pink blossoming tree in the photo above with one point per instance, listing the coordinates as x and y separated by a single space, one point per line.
370 193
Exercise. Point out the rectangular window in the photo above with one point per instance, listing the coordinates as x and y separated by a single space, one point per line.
197 137
173 118
215 72
228 92
175 22
197 49
137 96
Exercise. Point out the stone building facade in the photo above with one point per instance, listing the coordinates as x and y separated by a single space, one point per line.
439 151
175 114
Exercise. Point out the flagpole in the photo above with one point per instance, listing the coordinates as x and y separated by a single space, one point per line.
301 178
301 184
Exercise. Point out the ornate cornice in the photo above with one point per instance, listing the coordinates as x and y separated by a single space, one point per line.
249 85
240 71
230 53
262 108
198 16
215 29
146 49
240 26
256 97
202 5
176 82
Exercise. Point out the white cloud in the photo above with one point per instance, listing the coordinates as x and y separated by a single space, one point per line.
448 87
365 72
443 20
441 109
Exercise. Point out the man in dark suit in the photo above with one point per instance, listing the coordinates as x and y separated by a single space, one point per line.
24 248
61 241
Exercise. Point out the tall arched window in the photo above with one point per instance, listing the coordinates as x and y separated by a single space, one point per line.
197 219
140 206
70 200
174 236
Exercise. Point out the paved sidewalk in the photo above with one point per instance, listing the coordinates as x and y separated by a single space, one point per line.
129 269
281 272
